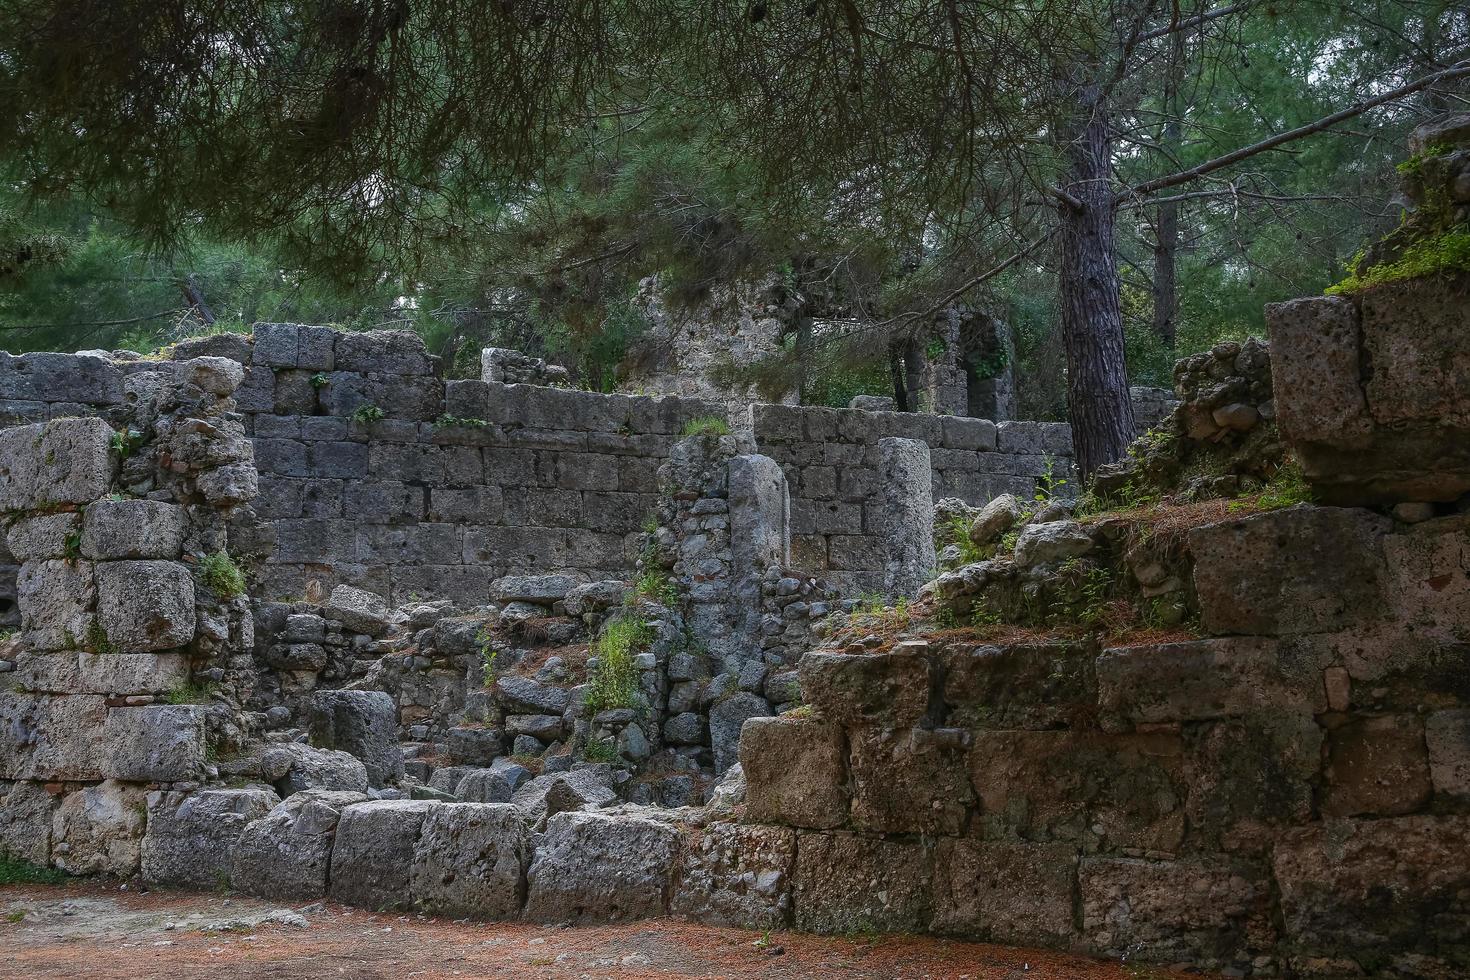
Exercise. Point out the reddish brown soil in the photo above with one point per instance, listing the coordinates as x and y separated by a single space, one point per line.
96 931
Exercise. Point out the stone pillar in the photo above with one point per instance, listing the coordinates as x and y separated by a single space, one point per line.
908 510
760 535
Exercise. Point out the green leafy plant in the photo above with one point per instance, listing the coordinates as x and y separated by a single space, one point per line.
125 441
982 615
189 694
368 413
600 750
707 425
96 640
957 531
71 548
489 654
320 380
17 871
614 681
656 585
446 421
1049 484
222 575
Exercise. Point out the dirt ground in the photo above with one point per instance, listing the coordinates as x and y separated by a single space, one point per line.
99 931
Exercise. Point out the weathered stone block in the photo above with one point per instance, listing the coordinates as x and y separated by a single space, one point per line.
133 529
1313 570
26 811
736 875
1249 777
1379 892
1202 909
1447 736
99 830
293 767
1376 766
286 853
44 738
886 690
908 507
1098 792
68 672
189 840
145 605
846 883
154 743
56 600
1429 573
1016 893
795 772
372 856
727 719
470 860
1202 679
363 723
909 781
64 461
43 536
383 352
1041 685
601 867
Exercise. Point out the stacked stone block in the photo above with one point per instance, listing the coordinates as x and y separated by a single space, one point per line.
1279 798
107 525
832 465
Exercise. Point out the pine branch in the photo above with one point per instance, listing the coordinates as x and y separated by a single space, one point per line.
1460 70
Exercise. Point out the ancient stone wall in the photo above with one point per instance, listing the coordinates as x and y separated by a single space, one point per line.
831 460
377 473
1287 794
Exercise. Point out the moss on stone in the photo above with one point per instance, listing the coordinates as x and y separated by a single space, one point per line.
1445 252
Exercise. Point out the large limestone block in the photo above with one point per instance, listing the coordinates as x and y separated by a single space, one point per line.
1015 893
1447 735
99 830
43 536
70 672
846 884
544 589
523 694
471 861
190 840
1026 685
795 772
601 867
64 461
294 767
1375 890
1250 777
888 690
1202 909
1312 570
1051 541
372 855
145 605
286 853
736 875
56 599
45 738
1429 572
1376 766
1094 791
133 529
727 717
155 743
362 723
1198 680
910 781
1371 392
26 811
358 610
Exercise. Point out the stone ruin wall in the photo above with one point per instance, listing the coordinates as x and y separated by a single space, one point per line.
541 479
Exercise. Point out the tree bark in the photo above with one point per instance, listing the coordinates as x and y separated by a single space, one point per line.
1091 310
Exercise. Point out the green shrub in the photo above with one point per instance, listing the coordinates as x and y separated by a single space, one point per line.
614 683
708 425
222 575
15 871
189 694
368 413
600 750
656 586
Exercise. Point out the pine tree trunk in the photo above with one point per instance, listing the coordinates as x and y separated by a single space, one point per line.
1091 313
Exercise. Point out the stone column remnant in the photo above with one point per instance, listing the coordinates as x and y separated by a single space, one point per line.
908 511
